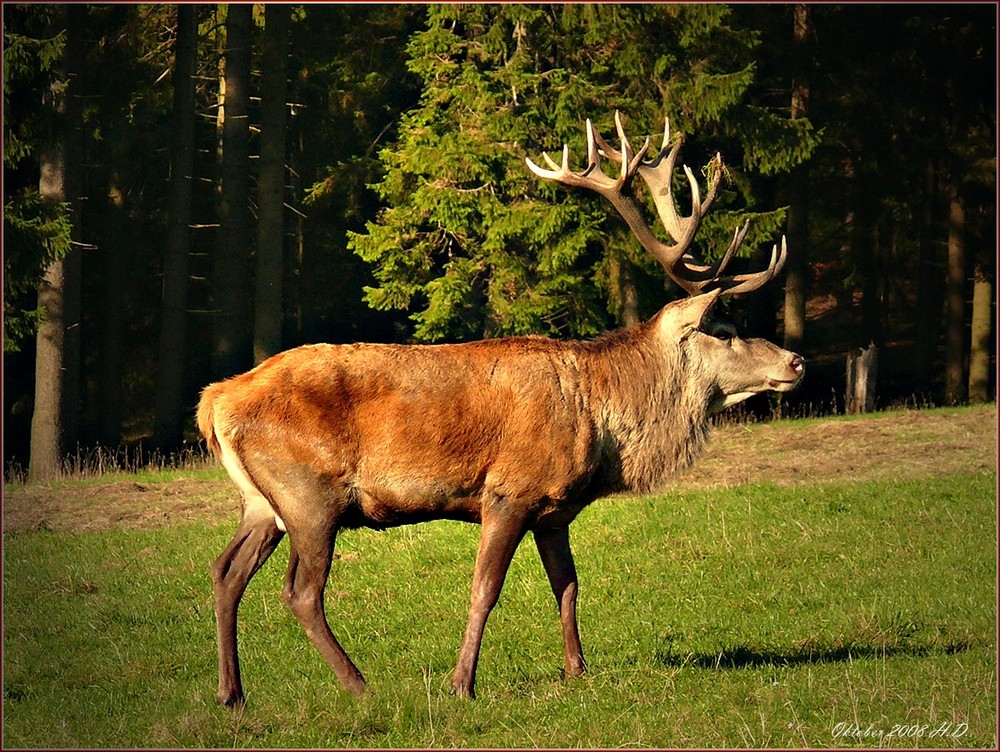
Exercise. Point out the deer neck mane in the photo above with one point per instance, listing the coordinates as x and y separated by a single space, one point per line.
651 404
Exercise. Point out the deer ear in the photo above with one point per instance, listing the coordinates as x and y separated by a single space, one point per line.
680 318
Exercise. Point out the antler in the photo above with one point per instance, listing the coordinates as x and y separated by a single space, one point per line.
692 276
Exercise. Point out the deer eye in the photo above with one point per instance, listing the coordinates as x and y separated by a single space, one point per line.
725 332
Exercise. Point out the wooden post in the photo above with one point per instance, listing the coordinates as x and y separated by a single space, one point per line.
862 370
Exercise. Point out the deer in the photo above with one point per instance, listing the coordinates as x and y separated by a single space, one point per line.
516 434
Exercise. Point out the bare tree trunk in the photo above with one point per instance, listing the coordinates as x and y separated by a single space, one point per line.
109 424
866 243
928 285
231 268
862 373
955 310
169 426
873 286
268 288
46 420
294 288
796 268
982 320
55 420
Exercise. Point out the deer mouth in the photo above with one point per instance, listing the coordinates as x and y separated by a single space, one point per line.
783 385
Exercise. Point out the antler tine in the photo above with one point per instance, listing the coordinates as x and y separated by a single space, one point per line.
626 157
557 170
738 236
696 210
594 150
565 159
616 155
714 181
709 273
741 284
592 158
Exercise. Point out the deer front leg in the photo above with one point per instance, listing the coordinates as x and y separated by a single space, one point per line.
553 548
499 539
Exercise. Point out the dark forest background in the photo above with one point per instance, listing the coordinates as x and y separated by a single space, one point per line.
191 188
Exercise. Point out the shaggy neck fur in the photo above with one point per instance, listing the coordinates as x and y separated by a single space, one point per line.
651 402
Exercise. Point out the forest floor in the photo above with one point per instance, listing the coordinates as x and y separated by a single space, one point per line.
897 444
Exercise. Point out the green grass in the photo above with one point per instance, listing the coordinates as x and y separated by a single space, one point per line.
752 617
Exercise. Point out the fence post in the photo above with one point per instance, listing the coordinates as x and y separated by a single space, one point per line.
862 370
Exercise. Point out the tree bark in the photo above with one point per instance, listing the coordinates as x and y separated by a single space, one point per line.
268 287
982 320
955 308
168 430
796 268
231 268
928 285
867 258
862 372
55 420
109 424
46 419
625 293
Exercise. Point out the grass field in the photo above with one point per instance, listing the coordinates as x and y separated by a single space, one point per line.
856 610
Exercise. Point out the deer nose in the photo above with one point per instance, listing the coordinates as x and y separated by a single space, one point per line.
798 364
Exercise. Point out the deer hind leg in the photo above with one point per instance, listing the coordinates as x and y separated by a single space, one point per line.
499 539
553 548
255 540
308 569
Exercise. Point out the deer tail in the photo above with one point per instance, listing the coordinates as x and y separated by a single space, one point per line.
206 418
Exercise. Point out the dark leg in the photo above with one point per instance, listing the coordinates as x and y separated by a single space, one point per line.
308 568
255 540
553 547
497 544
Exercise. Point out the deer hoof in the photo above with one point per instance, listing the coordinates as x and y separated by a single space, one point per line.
234 700
461 691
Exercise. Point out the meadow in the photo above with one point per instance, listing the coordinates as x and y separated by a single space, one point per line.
835 608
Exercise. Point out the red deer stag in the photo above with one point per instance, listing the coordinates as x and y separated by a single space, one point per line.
514 434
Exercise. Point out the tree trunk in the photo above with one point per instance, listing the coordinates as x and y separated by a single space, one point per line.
268 288
55 420
982 319
873 285
231 269
955 308
46 420
76 16
867 251
109 424
623 284
862 372
170 411
796 268
928 285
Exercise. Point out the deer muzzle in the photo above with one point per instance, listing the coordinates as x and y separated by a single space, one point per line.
794 372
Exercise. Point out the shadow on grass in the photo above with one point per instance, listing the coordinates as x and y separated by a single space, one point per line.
745 657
